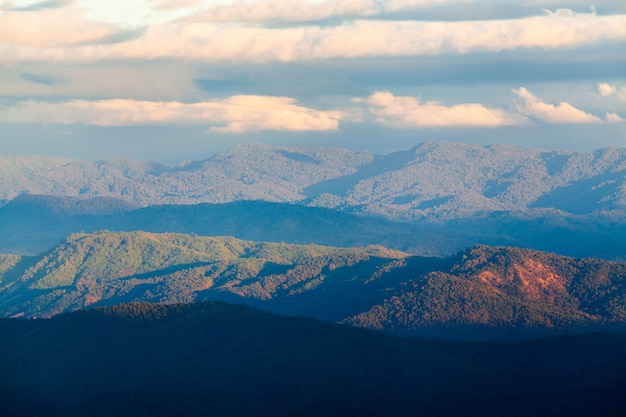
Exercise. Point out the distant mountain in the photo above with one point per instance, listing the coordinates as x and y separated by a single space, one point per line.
225 360
31 224
484 292
431 181
28 205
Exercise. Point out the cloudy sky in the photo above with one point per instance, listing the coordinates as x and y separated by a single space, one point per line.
173 80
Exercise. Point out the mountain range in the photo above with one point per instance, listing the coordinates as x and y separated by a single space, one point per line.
31 224
437 180
217 359
483 292
133 288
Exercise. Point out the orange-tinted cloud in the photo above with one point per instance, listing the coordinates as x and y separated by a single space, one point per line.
237 114
71 38
532 106
65 27
408 112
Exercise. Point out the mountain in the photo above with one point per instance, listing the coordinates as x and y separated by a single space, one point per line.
484 292
227 360
105 268
33 206
249 172
431 181
31 224
506 291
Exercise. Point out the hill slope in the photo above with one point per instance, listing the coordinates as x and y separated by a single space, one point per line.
219 359
483 292
511 290
32 224
106 268
433 180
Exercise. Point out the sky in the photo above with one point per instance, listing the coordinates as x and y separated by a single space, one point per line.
176 80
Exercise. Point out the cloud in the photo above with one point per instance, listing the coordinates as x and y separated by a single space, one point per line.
561 113
613 118
53 28
50 4
608 90
305 10
286 11
178 4
237 114
241 42
139 80
408 112
605 89
330 11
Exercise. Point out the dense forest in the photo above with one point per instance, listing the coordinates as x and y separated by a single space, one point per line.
133 288
32 224
431 181
216 359
483 292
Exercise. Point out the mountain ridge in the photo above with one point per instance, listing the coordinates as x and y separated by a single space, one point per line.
434 180
483 292
32 224
223 359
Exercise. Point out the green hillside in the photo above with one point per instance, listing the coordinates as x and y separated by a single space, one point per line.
483 292
105 268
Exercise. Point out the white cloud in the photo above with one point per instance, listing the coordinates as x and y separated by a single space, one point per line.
237 114
286 11
605 89
24 5
408 112
304 10
52 28
361 38
561 113
397 5
613 118
608 90
178 4
143 80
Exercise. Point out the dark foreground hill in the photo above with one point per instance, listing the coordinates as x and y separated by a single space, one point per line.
484 292
217 359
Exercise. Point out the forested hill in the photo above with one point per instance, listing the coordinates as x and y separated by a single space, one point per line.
485 292
105 268
215 359
433 180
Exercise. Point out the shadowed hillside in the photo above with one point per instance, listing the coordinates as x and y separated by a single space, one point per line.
226 360
32 224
